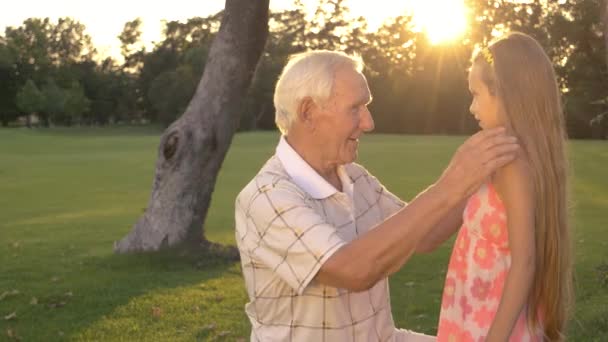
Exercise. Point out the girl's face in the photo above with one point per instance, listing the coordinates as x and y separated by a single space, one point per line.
485 106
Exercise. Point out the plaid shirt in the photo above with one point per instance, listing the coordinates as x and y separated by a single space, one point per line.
289 221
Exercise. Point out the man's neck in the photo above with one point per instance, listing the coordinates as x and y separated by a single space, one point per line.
327 170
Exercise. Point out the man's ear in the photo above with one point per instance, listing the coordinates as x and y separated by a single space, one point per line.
305 111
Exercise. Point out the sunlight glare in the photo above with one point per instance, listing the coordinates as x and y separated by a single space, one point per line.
442 20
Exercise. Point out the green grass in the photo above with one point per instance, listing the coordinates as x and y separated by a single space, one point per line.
67 194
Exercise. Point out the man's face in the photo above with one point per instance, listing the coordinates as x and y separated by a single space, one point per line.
344 118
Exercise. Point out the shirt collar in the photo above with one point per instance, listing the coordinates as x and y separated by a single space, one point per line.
306 177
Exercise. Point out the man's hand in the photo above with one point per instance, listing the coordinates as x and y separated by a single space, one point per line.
476 159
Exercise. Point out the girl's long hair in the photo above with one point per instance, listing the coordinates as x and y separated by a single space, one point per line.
516 69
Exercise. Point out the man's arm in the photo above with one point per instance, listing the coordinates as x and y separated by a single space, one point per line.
446 227
383 250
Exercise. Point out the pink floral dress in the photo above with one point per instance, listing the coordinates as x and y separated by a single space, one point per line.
477 272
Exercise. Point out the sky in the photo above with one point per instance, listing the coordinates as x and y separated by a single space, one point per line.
104 20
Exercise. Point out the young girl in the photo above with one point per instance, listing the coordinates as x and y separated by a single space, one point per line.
509 276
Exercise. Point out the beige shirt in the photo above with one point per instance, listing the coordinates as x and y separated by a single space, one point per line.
289 221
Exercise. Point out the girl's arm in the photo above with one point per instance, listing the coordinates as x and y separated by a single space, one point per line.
514 184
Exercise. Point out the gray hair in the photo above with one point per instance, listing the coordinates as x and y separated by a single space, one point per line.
308 74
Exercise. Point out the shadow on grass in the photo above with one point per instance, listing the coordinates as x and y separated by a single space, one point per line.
95 289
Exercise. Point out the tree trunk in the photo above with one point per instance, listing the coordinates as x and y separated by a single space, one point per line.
193 148
605 26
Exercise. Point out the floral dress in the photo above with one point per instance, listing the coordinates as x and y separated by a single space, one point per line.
477 272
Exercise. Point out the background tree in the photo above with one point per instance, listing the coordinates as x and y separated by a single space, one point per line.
76 103
605 26
419 87
131 46
8 84
43 51
54 106
30 100
578 29
599 124
193 148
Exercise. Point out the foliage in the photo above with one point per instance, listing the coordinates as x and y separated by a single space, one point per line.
418 87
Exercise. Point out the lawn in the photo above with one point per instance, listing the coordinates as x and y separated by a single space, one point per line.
67 194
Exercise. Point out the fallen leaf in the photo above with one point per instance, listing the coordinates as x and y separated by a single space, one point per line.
8 294
12 335
57 305
224 333
69 294
55 279
157 311
34 301
10 316
209 326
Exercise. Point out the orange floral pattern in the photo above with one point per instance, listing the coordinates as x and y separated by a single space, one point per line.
492 225
472 207
480 288
477 272
448 293
459 257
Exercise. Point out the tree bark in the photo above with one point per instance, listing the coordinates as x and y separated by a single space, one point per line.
192 149
605 24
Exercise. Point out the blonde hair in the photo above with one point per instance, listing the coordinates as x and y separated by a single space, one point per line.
520 74
308 74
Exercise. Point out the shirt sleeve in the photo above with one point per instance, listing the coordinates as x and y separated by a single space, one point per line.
403 335
286 234
388 203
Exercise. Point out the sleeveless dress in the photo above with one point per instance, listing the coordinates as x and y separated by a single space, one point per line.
476 274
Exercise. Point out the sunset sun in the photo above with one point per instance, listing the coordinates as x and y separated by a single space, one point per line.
441 20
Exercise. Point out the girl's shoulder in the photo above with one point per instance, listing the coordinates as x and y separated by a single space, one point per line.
514 180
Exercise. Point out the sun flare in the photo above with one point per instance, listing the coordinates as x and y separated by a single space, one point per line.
442 20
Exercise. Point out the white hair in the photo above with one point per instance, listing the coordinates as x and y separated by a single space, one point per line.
308 74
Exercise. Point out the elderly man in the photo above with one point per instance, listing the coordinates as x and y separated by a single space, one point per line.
318 234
